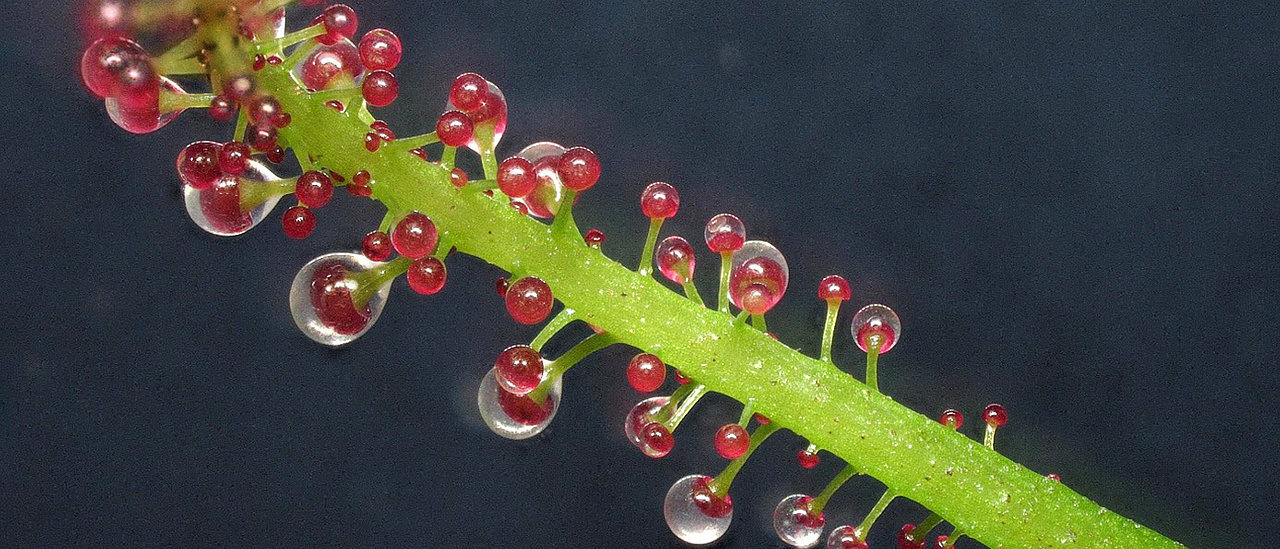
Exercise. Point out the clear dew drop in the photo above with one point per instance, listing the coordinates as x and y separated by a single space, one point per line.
876 321
642 414
219 210
330 66
321 298
515 417
547 193
490 116
758 276
143 120
687 519
789 521
844 537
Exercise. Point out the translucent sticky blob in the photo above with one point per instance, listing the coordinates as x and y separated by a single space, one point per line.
725 233
675 259
544 201
332 66
758 277
489 119
795 524
515 417
141 113
331 298
642 414
693 513
876 323
235 203
843 537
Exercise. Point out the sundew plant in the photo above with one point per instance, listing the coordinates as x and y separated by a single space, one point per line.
697 312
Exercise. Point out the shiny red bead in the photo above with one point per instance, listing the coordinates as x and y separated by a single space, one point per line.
516 177
906 540
760 418
952 418
500 286
222 108
529 300
314 189
594 238
379 88
198 164
415 236
266 111
380 49
579 168
657 440
454 128
519 369
339 21
995 415
646 372
1054 477
234 157
298 222
834 287
376 246
732 441
659 201
468 91
681 378
458 178
807 460
427 275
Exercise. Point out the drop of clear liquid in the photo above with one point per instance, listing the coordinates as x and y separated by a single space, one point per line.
544 201
876 321
489 117
321 298
794 524
642 414
221 210
758 277
843 537
694 514
143 119
516 417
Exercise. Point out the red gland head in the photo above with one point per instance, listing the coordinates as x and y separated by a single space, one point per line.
805 515
529 300
681 378
758 277
427 275
656 440
675 259
380 88
333 66
331 299
876 325
314 189
485 105
995 415
906 540
524 410
941 542
339 21
646 373
807 459
458 178
834 287
845 537
454 128
376 246
234 157
1054 477
708 502
221 108
198 164
516 177
415 236
266 111
594 238
725 233
579 168
468 90
548 191
298 222
519 369
659 201
112 64
952 418
732 441
380 49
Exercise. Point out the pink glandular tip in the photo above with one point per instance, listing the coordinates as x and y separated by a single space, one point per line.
758 277
876 325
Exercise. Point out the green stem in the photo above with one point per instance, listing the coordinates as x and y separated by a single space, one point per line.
873 357
989 436
170 101
490 162
921 531
819 502
691 291
645 268
829 328
552 328
720 484
861 531
758 322
276 45
685 405
370 282
563 221
726 263
558 367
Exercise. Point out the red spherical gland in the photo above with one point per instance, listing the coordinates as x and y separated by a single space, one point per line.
458 178
376 246
331 66
834 287
1054 477
579 168
234 157
266 111
339 21
804 515
845 539
314 189
657 439
952 418
240 87
383 130
523 410
259 62
519 369
415 236
807 460
427 275
500 286
708 502
454 128
529 300
468 91
681 378
760 418
361 179
298 222
594 238
198 164
906 541
994 414
646 372
222 108
380 50
725 233
732 441
757 285
331 298
516 177
108 63
659 201
675 259
380 88
372 142
275 155
220 205
261 138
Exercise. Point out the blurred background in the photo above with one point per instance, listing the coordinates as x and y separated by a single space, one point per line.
1072 206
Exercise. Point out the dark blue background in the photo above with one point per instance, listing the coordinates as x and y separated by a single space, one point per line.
1072 205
